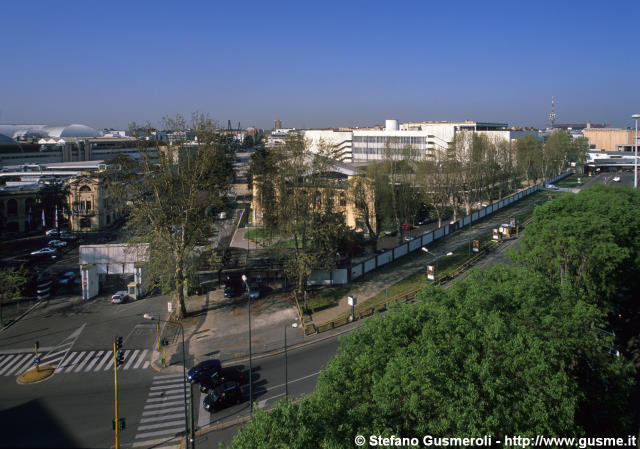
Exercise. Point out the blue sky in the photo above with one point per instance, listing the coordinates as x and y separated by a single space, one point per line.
319 64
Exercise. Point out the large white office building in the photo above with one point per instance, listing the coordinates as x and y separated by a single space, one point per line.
424 139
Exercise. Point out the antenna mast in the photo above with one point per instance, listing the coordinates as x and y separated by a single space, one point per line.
552 116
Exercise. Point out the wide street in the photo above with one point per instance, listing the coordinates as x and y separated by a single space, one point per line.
75 407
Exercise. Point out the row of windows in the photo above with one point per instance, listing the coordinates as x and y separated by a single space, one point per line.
404 140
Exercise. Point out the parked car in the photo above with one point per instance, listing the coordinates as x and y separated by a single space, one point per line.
119 297
57 243
225 374
254 291
67 236
45 252
424 221
203 370
224 395
616 179
552 187
231 290
67 278
52 233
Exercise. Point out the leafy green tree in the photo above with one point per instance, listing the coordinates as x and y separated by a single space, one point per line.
13 282
556 152
169 200
588 242
529 157
501 352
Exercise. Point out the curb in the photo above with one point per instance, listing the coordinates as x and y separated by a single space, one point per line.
15 320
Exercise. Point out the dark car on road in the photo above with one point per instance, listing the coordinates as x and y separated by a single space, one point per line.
225 374
231 290
224 395
203 370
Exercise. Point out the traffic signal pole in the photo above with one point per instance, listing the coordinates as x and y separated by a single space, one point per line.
115 382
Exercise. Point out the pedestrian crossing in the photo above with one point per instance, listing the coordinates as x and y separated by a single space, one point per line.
163 418
67 362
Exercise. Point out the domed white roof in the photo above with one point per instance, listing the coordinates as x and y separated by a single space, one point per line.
74 130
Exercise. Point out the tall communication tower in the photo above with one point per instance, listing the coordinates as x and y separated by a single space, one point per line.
552 116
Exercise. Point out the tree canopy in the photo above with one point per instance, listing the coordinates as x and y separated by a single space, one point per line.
501 352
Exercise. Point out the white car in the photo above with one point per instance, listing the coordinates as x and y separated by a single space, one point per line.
57 243
52 233
44 252
552 187
119 297
616 179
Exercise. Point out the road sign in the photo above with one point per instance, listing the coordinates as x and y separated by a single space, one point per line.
36 360
431 272
476 246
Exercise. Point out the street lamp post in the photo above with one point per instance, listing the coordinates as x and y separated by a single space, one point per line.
188 416
244 279
436 257
286 365
635 154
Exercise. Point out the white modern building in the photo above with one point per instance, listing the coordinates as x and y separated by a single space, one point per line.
425 139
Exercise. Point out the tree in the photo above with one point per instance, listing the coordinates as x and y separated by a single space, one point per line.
501 352
529 157
556 152
362 194
13 281
300 192
169 200
587 242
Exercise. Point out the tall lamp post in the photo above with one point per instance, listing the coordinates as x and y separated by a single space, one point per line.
188 416
286 365
244 279
635 154
436 257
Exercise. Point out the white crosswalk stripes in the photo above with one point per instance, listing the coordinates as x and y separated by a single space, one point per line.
73 362
163 418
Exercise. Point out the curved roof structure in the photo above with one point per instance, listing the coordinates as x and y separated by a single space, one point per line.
39 131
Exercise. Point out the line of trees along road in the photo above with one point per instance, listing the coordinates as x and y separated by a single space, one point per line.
523 350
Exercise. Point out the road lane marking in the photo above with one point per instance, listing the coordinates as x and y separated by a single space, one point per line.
155 443
168 376
21 361
9 362
84 362
158 412
174 431
26 366
141 359
65 362
94 361
162 418
168 381
160 426
163 387
174 391
164 404
72 365
146 365
131 358
107 356
166 398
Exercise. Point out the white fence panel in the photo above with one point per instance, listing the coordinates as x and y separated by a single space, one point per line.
466 220
438 233
370 265
427 238
399 251
414 244
385 258
356 271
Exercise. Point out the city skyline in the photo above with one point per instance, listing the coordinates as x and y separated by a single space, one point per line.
320 65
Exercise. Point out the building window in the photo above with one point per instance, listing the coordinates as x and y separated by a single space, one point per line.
85 188
343 199
85 223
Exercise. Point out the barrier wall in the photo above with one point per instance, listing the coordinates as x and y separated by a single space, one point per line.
359 269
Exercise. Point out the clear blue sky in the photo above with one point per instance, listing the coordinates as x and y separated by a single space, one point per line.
318 64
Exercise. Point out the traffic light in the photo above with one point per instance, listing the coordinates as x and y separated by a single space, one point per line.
121 424
119 358
118 342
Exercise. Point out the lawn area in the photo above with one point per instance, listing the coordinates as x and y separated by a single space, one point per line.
572 181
